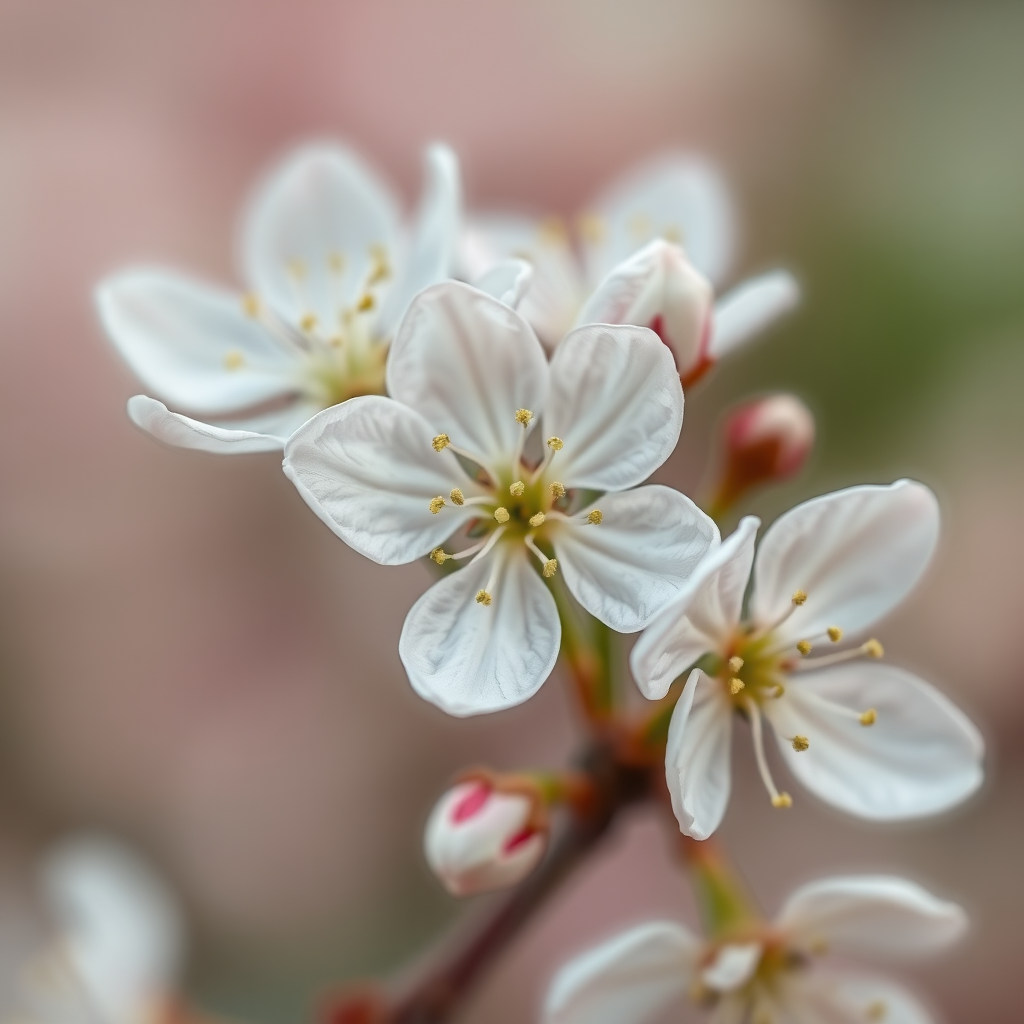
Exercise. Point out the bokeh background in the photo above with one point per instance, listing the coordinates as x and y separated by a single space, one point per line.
189 659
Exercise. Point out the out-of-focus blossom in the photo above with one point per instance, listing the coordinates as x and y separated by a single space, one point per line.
119 944
766 440
331 270
767 972
453 447
646 252
478 838
871 739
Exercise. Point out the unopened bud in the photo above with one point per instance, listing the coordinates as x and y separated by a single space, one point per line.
478 838
765 441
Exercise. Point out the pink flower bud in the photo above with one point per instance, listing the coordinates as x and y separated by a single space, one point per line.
766 440
478 838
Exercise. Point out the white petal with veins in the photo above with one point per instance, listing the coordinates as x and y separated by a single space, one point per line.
507 281
182 432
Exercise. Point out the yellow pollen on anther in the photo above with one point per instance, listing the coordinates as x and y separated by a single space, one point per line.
439 555
591 228
440 442
297 269
550 568
335 262
869 717
482 597
458 498
365 303
673 233
639 225
782 800
436 504
552 231
596 518
250 304
537 520
799 597
523 417
233 360
735 685
308 322
501 515
556 444
800 743
804 647
379 272
873 649
876 1011
835 634
778 690
557 490
516 489
735 663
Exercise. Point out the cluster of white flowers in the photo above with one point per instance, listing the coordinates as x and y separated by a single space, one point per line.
505 429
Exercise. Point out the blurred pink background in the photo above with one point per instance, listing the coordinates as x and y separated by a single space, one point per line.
191 659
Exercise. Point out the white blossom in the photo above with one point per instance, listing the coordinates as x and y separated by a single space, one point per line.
648 251
764 972
534 460
868 738
330 270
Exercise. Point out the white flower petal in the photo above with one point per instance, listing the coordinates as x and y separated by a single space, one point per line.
697 757
819 996
557 290
469 658
435 237
656 287
192 344
320 203
679 197
617 405
856 553
122 929
627 980
921 756
507 281
701 618
625 570
367 469
872 916
467 362
182 432
733 966
750 308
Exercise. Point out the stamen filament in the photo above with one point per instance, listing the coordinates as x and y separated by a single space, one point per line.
488 544
549 566
797 601
779 799
863 717
871 649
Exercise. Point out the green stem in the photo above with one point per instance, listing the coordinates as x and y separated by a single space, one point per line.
724 902
586 647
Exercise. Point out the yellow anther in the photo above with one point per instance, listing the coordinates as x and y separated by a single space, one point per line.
297 269
800 743
380 271
818 946
552 231
557 490
873 649
735 664
550 568
523 417
639 225
673 233
516 489
501 515
835 634
869 717
365 303
440 442
777 690
308 322
591 228
482 597
436 504
439 555
735 685
334 342
804 647
458 498
876 1011
596 518
335 262
799 597
233 360
556 444
537 520
782 800
251 305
